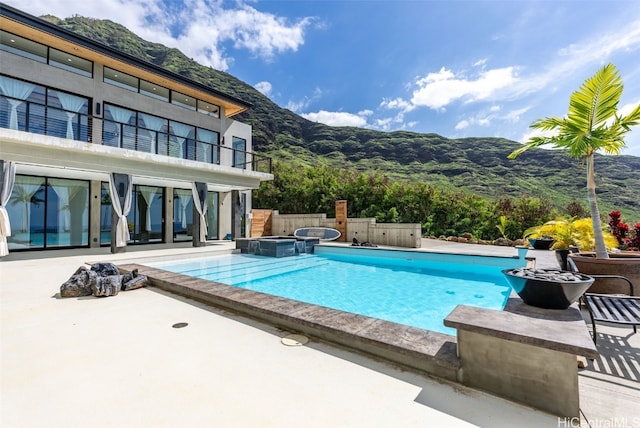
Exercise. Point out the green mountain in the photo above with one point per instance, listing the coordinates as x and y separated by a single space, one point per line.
478 165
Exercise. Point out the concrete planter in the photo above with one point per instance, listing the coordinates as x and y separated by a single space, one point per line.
626 264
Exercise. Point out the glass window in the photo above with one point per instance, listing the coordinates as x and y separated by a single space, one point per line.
119 128
70 62
68 102
118 114
105 215
67 213
182 215
122 80
26 213
145 218
239 152
16 96
23 47
152 130
48 213
181 140
243 214
212 215
207 146
210 109
153 90
183 100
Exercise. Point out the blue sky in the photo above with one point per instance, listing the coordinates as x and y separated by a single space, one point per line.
456 68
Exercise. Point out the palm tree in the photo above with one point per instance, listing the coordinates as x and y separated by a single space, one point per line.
592 124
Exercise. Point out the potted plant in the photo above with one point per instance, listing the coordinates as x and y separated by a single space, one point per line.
592 124
568 234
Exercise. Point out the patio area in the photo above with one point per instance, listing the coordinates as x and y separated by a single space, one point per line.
119 362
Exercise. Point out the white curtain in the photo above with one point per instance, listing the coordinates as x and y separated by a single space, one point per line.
7 178
122 229
184 203
120 114
153 123
65 193
202 149
201 206
148 194
15 89
73 104
181 132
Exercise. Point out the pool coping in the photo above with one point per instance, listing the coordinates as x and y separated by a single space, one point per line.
428 351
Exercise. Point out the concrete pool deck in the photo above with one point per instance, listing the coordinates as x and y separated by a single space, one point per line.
119 362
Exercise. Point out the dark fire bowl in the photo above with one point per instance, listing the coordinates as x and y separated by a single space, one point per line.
541 243
548 288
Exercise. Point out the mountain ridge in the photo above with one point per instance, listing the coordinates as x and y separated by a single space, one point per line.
476 164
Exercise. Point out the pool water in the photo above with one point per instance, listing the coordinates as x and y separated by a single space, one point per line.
417 293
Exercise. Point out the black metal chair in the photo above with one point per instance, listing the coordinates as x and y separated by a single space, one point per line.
613 308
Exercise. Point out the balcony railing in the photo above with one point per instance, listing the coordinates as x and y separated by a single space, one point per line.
41 119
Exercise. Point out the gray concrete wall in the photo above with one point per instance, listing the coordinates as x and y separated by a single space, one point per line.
364 229
286 224
538 377
396 234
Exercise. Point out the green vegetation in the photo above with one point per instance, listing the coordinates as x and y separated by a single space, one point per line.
592 124
449 186
568 232
440 211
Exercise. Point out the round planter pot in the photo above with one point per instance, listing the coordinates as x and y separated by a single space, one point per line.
561 257
547 288
625 264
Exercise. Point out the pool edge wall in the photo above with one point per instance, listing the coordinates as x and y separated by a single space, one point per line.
427 351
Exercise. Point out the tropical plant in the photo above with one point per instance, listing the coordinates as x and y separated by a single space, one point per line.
502 226
627 238
592 124
617 228
634 242
568 232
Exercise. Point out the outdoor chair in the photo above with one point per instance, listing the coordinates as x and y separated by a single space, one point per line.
613 308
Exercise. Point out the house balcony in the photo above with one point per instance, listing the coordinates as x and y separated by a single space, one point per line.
35 134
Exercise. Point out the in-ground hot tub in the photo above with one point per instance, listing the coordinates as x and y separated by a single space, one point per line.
276 246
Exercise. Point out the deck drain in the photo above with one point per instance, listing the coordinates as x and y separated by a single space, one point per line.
294 340
180 324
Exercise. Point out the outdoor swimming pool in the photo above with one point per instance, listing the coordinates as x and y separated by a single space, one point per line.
415 289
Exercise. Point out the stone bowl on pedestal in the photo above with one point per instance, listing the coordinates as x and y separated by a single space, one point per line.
548 288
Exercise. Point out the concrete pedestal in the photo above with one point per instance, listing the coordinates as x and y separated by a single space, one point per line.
523 354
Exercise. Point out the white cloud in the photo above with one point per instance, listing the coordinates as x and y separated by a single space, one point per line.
301 105
397 103
462 124
480 63
536 133
514 115
627 108
631 138
264 87
336 118
437 90
199 28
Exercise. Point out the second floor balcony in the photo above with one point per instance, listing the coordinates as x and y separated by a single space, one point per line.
140 132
